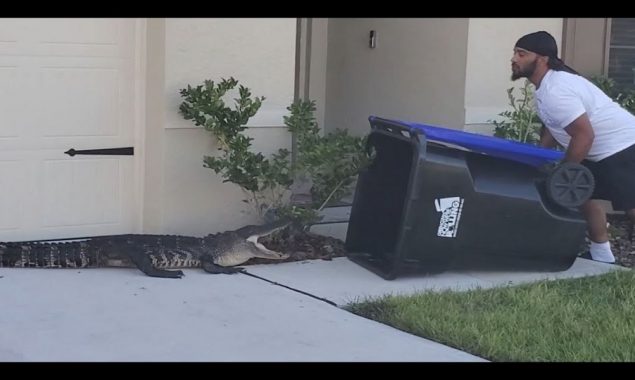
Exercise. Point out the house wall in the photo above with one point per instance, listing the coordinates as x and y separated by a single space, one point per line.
318 67
416 71
153 134
437 71
487 72
180 195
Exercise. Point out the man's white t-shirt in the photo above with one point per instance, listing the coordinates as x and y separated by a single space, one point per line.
562 97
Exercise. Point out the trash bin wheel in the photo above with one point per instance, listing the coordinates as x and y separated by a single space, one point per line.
570 184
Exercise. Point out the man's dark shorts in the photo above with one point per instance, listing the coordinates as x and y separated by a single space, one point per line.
615 178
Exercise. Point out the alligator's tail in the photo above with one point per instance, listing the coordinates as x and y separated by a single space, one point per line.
74 254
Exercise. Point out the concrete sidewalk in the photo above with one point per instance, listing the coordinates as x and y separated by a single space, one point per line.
342 281
123 315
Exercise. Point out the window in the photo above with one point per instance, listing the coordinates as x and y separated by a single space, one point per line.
621 62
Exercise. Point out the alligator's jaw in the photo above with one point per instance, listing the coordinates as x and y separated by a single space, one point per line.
242 245
264 252
244 251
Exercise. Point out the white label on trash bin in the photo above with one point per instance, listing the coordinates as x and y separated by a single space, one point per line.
450 209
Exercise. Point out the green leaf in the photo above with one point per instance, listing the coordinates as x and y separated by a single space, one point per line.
521 123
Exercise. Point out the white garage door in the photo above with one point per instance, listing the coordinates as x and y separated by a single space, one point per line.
66 83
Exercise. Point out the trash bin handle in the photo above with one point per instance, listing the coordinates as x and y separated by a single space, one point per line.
394 127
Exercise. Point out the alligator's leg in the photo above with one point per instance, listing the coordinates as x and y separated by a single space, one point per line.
141 258
210 267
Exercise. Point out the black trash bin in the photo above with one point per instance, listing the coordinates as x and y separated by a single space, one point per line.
424 206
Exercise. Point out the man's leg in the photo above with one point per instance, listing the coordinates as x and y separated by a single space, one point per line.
598 232
596 221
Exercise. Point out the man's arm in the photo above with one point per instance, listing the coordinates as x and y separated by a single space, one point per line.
581 139
546 138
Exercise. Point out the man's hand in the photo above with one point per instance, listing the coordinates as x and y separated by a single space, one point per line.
548 168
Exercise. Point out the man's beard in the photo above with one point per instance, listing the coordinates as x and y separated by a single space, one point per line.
529 71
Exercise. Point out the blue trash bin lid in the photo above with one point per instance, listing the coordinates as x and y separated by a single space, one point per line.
494 146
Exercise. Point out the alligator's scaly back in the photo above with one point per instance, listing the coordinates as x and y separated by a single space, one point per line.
48 255
152 254
164 250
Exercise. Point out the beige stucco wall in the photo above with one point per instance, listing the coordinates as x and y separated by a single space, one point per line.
489 51
153 134
416 72
182 196
318 66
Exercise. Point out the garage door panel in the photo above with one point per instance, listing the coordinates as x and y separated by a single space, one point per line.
12 30
78 192
67 37
65 30
13 184
66 83
89 107
12 105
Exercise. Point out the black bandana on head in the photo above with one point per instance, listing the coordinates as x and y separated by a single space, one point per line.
543 43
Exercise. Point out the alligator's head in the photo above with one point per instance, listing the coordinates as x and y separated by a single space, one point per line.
236 247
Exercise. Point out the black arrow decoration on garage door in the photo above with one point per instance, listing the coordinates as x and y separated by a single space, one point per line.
127 151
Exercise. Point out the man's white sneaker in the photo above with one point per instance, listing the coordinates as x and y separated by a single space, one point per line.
605 257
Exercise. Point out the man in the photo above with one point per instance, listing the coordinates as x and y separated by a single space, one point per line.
594 130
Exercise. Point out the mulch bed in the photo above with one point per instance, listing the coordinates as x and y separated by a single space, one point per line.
619 230
300 245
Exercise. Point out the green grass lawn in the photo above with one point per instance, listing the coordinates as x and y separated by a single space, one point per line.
584 319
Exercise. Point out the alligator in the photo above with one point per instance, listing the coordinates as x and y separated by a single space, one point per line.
154 255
